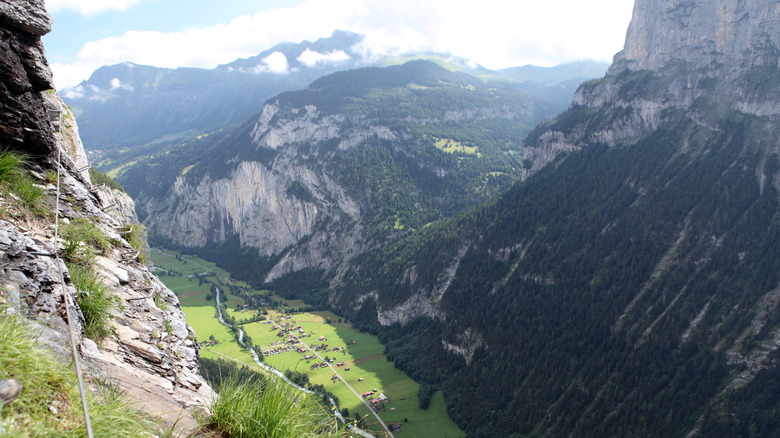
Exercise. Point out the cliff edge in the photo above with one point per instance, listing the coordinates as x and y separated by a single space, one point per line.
150 353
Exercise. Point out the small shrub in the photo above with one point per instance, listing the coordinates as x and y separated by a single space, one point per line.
81 232
94 300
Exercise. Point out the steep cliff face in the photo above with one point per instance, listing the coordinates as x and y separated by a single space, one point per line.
24 123
701 34
151 353
703 58
271 206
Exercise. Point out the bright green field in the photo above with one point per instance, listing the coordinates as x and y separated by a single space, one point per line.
365 357
451 146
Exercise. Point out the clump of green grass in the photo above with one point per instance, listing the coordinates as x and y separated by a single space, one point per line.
94 300
83 230
11 165
267 408
49 405
16 180
160 302
137 239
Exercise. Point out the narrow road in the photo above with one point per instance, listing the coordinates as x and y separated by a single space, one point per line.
390 434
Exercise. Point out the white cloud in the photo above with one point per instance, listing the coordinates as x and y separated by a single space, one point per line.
310 58
494 33
68 75
89 7
115 84
274 63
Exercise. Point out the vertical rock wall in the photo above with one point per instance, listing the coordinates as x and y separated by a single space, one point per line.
24 74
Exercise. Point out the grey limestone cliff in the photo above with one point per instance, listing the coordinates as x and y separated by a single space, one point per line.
705 58
273 207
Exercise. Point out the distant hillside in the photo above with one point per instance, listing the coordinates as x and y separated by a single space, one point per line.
359 159
131 105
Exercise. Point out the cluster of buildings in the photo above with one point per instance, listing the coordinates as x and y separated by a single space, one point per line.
275 348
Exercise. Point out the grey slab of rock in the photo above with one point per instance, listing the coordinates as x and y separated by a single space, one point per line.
27 15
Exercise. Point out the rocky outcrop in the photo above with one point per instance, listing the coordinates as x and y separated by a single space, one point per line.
152 353
24 74
701 34
66 131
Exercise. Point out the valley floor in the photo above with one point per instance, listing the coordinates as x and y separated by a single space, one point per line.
358 357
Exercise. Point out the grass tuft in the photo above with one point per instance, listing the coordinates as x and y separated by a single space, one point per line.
94 300
267 408
11 165
15 179
81 231
50 405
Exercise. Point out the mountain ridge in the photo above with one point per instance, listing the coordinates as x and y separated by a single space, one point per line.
128 104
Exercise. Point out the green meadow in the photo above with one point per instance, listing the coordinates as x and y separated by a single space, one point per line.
361 353
451 146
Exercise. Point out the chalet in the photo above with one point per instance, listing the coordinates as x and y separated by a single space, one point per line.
395 426
308 356
360 379
382 398
340 364
322 338
368 394
374 402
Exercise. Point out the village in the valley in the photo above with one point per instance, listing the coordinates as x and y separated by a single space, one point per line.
291 335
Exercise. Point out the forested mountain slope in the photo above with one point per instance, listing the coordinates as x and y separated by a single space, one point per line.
358 160
630 285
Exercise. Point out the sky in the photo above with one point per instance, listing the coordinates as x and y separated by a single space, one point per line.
88 34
